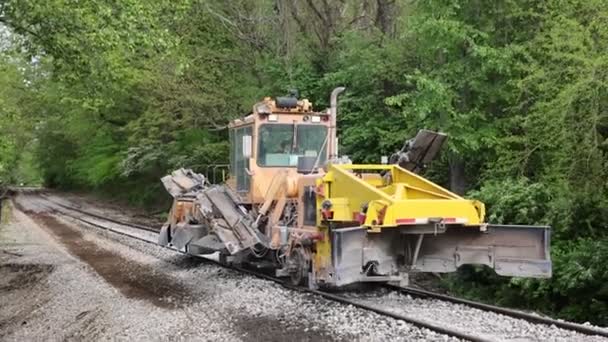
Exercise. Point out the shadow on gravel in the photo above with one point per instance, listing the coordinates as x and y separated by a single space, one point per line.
22 276
186 262
263 328
132 279
17 301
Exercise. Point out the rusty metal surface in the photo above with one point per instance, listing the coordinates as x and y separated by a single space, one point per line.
419 151
182 181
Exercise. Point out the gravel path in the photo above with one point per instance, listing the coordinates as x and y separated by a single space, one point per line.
89 284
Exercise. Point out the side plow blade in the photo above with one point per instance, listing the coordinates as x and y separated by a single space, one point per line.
511 250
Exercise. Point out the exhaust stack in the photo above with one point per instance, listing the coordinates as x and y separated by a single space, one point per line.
333 111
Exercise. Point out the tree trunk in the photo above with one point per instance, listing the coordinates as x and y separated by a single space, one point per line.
457 177
385 16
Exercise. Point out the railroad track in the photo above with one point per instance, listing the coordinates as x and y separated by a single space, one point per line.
414 292
90 218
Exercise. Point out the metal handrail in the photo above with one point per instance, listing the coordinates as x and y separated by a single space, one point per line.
210 171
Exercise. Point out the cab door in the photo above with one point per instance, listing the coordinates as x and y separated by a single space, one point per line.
239 160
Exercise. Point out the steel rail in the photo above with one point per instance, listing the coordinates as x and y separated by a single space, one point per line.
97 225
133 225
406 290
284 283
503 311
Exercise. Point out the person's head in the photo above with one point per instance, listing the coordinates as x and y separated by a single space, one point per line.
285 146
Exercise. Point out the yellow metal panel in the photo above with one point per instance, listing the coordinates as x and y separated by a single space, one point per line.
364 167
373 179
431 209
401 175
341 209
409 196
322 256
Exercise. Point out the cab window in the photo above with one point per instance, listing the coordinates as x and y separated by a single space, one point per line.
280 145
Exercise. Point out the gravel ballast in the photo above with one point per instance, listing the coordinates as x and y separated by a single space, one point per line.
74 296
254 309
464 318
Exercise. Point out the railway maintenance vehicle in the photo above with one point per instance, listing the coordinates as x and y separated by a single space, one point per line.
291 205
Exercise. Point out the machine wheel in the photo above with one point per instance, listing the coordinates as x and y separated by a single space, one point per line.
298 265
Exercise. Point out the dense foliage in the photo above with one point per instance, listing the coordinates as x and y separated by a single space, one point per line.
110 95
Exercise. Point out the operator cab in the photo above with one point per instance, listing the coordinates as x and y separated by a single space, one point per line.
277 136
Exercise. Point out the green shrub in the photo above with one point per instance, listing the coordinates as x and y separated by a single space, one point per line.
578 289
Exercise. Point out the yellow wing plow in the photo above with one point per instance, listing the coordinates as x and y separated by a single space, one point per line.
408 223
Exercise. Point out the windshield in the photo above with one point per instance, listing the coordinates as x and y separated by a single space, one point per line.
281 145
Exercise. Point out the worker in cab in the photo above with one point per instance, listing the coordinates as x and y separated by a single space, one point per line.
285 147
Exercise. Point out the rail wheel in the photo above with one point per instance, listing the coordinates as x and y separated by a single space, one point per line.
298 264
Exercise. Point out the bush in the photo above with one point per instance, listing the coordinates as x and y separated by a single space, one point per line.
515 201
578 289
